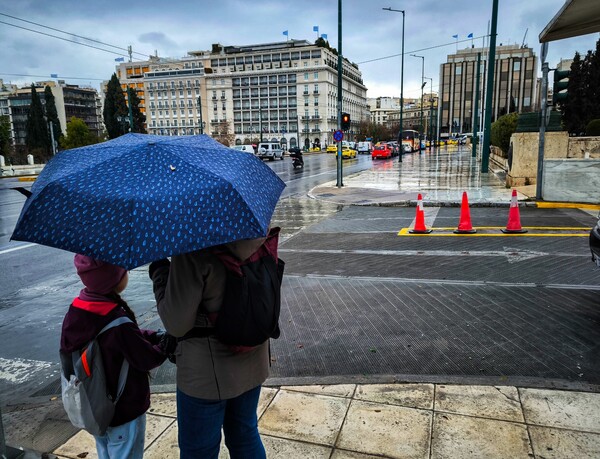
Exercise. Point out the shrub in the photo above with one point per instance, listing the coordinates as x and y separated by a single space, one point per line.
502 129
593 128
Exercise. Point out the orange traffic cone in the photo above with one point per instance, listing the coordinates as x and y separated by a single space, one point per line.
420 227
514 220
464 226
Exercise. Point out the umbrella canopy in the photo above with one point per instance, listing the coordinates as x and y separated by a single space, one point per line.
139 198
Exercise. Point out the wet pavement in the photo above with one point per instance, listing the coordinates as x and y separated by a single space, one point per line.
401 346
440 176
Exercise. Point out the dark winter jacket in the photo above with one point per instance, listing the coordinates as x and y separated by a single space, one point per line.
82 323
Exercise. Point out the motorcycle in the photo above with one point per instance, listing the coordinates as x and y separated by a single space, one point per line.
297 160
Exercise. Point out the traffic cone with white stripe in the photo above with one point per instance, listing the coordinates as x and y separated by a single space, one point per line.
420 227
464 225
514 220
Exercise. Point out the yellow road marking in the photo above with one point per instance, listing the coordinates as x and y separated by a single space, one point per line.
566 205
450 231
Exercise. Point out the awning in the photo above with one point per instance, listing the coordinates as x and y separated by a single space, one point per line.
575 18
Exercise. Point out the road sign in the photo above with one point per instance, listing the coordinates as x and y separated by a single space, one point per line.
338 135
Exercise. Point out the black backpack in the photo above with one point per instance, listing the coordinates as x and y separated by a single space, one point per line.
249 314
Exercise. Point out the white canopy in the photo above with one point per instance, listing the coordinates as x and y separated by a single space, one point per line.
575 18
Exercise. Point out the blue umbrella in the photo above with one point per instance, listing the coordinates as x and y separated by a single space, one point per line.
139 198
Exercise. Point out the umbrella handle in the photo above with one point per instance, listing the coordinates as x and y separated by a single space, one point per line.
22 190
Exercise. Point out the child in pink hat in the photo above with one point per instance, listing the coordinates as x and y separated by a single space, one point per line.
98 304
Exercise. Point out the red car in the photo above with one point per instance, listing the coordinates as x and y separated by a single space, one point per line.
381 151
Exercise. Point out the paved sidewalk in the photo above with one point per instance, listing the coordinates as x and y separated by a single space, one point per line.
440 177
351 421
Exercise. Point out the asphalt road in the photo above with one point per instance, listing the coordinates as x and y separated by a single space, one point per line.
360 301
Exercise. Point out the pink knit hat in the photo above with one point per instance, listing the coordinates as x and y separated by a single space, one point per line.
98 276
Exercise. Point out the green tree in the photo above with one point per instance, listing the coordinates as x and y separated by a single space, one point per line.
78 135
51 113
502 129
593 74
138 117
583 102
37 137
4 135
114 108
574 107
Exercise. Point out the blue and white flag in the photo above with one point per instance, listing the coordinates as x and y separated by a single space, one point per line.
454 36
324 36
119 59
316 28
285 32
470 35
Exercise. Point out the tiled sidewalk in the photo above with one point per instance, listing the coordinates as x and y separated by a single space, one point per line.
399 421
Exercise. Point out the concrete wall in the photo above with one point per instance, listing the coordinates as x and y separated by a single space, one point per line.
584 147
571 180
523 170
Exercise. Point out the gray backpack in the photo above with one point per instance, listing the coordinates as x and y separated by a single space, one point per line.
84 392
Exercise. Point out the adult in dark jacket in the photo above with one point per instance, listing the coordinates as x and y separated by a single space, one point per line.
97 305
218 386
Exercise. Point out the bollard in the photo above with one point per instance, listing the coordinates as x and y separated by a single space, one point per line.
30 160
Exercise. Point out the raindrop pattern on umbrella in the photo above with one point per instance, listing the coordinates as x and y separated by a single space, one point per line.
140 198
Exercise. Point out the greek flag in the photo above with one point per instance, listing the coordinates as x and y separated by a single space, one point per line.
316 28
324 36
470 35
454 36
285 32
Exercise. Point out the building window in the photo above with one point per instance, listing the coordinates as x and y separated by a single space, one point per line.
316 75
306 76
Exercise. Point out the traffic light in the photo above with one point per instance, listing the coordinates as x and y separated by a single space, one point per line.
345 121
561 83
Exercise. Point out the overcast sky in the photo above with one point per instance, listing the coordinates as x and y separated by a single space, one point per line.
371 36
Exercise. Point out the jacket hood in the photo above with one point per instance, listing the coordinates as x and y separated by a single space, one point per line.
246 247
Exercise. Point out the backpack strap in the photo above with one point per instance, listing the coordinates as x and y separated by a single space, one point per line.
125 367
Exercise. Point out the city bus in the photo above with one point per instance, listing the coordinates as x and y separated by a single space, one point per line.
411 138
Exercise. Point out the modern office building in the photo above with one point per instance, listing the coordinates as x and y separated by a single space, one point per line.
515 87
70 101
283 91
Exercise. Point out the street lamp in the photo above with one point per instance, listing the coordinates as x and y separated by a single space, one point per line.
422 86
430 124
200 112
401 82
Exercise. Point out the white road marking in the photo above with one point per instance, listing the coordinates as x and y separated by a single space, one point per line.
512 255
18 371
26 246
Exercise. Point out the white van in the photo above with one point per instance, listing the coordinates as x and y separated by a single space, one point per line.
365 148
244 148
270 150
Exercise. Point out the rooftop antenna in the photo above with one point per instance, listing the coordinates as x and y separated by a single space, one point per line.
525 36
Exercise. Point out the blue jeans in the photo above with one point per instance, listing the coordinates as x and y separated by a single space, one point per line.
200 422
126 440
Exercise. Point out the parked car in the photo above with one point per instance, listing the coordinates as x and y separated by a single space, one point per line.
332 148
381 151
595 242
270 150
245 148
